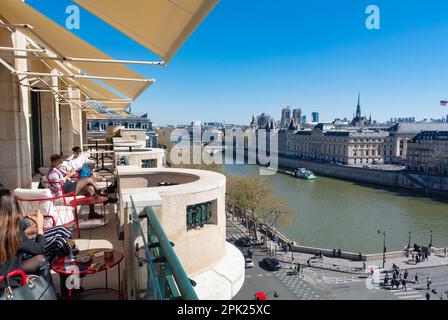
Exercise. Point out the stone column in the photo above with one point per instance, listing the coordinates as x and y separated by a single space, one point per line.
76 117
84 128
66 129
50 120
15 155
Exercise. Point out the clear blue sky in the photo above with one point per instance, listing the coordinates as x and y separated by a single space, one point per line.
252 56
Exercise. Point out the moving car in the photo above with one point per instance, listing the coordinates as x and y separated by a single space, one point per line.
249 262
243 242
271 264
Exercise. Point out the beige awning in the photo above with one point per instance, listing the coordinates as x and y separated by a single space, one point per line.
64 43
90 88
162 26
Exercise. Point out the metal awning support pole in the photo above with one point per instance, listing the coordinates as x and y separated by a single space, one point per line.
7 66
74 76
68 100
15 26
148 63
21 50
70 59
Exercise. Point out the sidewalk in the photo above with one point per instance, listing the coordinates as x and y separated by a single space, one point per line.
345 265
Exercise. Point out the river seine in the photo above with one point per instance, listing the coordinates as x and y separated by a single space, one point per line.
330 213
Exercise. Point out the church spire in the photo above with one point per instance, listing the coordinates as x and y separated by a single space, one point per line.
358 108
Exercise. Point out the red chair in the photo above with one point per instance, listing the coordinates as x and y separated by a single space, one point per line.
57 209
13 274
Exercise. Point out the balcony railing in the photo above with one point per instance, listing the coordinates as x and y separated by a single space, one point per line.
150 163
123 161
198 215
166 279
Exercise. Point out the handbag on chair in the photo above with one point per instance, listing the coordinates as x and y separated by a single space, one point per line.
34 288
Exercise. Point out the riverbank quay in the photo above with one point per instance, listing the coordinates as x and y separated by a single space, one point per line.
400 179
348 262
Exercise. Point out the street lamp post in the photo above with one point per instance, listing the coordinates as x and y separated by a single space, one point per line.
409 242
292 251
384 246
430 243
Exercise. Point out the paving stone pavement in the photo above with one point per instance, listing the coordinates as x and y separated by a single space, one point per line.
297 285
294 283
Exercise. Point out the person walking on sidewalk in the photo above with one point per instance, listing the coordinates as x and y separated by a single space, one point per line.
428 296
446 252
428 283
406 275
386 280
416 278
404 282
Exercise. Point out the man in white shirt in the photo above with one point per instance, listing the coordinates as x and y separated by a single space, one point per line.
78 160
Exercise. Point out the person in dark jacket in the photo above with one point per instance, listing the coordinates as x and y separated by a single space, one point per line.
21 248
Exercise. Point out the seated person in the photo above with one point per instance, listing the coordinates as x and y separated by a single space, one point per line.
26 247
61 183
79 162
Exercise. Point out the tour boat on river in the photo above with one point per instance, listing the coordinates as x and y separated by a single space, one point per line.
305 174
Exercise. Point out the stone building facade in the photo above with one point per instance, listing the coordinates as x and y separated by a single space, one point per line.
401 133
324 143
428 153
100 125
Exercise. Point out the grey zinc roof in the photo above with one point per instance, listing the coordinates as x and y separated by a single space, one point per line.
430 135
417 127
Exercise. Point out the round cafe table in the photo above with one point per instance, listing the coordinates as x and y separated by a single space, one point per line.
65 270
87 202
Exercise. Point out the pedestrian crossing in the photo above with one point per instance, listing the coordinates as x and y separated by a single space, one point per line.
409 294
234 234
320 277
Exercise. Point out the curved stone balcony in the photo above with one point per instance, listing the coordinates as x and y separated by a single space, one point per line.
176 195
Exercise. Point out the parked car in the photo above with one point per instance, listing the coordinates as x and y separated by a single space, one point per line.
271 264
366 166
243 242
249 263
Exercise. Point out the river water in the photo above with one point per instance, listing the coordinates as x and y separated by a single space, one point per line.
331 213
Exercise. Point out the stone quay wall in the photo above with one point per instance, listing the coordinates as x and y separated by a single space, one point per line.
370 257
430 185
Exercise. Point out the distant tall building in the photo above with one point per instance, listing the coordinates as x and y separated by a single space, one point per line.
286 116
303 119
315 116
297 116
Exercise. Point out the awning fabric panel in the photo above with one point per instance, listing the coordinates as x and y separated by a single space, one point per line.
162 26
63 42
90 88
